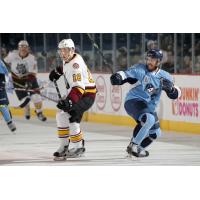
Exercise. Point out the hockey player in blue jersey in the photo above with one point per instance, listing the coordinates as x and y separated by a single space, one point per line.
142 99
4 99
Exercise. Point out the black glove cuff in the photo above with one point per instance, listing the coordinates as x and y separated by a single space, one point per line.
173 94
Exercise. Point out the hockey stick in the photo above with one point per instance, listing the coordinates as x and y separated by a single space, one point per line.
28 99
57 89
100 52
36 92
31 90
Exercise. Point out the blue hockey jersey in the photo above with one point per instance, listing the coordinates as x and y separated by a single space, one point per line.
148 88
3 69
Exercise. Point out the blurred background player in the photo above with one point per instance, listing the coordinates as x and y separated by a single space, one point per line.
4 99
23 67
141 100
82 92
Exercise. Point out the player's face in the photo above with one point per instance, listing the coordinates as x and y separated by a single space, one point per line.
66 54
23 50
152 63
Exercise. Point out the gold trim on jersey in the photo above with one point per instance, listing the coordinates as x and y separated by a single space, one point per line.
91 89
81 90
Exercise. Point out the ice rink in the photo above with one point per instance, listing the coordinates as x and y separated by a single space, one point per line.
34 143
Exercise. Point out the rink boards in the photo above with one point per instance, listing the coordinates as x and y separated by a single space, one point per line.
182 115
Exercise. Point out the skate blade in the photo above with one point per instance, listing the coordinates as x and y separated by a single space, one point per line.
59 158
75 156
135 155
131 157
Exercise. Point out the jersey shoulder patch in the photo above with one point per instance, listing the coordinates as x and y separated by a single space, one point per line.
75 65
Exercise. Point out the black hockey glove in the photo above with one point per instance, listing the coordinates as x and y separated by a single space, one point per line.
167 85
65 105
116 79
55 74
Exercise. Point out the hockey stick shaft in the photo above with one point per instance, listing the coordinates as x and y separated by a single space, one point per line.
100 52
57 89
28 99
29 90
36 92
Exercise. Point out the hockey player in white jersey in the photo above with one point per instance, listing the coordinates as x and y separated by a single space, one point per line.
23 66
81 96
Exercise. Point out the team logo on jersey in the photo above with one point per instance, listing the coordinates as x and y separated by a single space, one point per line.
146 79
150 88
21 68
75 65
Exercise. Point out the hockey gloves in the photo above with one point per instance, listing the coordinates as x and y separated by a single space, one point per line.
116 79
65 105
55 74
167 85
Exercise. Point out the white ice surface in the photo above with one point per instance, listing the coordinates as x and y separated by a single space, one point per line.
34 144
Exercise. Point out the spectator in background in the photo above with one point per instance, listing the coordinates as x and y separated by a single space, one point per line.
197 48
52 61
4 52
151 44
136 55
122 59
197 64
88 60
187 65
169 64
108 59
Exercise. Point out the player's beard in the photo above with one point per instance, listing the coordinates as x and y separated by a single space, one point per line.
151 68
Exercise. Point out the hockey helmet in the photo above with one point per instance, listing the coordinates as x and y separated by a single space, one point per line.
66 43
155 53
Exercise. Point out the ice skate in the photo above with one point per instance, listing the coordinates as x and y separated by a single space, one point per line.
41 116
134 150
11 126
27 112
76 151
61 153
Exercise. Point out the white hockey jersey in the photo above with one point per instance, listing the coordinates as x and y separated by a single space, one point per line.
21 66
78 75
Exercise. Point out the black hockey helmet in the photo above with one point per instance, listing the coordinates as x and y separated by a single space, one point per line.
155 53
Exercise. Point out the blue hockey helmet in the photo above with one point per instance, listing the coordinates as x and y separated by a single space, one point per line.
155 53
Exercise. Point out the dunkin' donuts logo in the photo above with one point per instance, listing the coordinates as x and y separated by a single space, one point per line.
116 97
102 92
188 104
